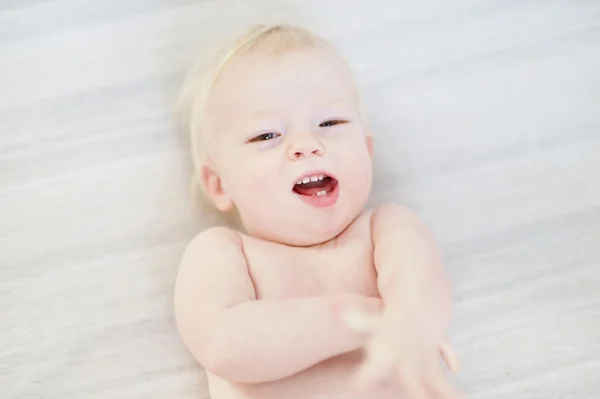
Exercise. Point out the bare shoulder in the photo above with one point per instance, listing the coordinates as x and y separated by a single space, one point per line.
213 276
390 217
358 229
213 271
392 210
210 241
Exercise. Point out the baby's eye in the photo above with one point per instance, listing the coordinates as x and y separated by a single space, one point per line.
332 122
264 137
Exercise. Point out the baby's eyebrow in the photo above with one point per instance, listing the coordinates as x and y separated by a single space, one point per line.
336 102
255 117
267 113
346 104
336 106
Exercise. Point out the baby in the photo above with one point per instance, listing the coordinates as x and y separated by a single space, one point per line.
318 298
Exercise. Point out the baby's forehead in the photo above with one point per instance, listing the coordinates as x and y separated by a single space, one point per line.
257 73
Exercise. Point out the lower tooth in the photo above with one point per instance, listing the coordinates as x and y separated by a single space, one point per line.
321 193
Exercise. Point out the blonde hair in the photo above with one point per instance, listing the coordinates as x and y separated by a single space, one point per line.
195 94
197 88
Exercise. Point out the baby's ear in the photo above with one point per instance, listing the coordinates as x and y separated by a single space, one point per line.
213 186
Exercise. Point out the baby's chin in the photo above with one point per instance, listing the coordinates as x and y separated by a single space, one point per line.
310 240
309 215
299 240
304 233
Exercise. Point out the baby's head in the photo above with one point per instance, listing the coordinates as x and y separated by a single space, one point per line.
278 134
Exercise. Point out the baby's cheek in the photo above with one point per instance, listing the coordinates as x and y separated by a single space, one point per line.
355 155
258 184
360 165
258 178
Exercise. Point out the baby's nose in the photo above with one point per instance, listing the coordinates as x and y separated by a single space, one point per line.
306 147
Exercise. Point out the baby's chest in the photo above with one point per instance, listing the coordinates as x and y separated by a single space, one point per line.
283 272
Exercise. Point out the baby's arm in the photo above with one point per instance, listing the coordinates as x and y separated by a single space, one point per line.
245 340
409 266
410 335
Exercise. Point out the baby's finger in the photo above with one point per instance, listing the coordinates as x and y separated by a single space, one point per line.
376 368
359 322
447 352
372 373
413 385
440 388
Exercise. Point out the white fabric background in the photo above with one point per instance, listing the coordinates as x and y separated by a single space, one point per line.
486 116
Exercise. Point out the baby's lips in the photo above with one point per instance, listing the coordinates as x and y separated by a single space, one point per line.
313 172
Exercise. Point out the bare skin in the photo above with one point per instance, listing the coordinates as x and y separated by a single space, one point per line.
341 266
321 299
297 345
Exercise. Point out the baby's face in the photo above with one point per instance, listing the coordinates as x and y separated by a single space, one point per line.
289 146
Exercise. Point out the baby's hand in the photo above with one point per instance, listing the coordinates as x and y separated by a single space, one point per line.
405 348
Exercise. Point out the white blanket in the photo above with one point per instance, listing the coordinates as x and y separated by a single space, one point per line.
486 118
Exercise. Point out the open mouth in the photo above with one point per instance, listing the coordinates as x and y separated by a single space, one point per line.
315 186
